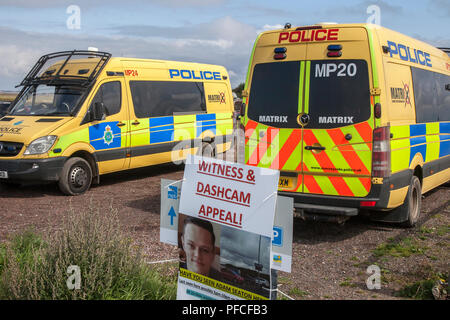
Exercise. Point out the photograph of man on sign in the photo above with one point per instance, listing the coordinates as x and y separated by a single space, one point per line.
198 249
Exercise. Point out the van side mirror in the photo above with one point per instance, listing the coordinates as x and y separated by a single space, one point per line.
242 110
98 111
447 87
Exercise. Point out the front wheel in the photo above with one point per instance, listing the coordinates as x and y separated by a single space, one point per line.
208 150
76 177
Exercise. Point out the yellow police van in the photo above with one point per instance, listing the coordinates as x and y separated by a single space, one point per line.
355 116
81 114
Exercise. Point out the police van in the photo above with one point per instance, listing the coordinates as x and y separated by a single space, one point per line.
5 102
355 116
81 114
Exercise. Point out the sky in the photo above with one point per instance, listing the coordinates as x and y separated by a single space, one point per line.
218 32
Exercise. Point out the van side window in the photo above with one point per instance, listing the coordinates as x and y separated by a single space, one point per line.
164 98
110 94
430 96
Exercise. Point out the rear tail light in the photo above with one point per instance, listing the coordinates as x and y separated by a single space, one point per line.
381 152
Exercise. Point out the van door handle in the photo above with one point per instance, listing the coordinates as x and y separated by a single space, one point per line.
121 124
135 122
314 148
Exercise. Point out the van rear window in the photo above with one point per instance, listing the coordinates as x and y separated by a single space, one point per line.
339 93
164 98
273 96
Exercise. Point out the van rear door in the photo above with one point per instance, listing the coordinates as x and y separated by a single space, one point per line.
310 115
337 117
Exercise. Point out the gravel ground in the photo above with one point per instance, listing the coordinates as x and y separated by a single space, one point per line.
329 260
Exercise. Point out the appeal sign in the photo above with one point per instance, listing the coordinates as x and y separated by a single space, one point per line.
231 194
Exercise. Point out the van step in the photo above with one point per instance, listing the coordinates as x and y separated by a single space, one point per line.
327 210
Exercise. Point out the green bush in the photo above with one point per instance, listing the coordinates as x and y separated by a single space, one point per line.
111 266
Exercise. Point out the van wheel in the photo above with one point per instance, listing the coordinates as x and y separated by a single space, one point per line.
413 202
76 177
208 150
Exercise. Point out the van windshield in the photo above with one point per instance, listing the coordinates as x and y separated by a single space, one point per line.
335 94
48 100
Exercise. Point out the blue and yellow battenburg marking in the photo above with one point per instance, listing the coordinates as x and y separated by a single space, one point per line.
105 135
205 122
430 140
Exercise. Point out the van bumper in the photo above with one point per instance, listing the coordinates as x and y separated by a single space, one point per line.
32 169
316 205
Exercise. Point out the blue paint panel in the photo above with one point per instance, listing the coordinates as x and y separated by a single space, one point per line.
444 137
418 130
203 117
161 136
444 127
206 122
154 122
418 149
161 129
444 148
100 138
416 141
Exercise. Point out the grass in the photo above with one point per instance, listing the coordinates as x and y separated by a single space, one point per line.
111 267
402 248
421 290
298 293
347 282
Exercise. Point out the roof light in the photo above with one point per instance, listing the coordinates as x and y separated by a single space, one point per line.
280 50
335 47
279 56
334 54
280 53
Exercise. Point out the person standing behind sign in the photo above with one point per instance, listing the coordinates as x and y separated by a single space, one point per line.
198 242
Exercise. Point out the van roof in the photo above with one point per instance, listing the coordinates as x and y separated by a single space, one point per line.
140 62
382 32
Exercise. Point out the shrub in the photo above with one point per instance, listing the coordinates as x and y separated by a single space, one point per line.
111 266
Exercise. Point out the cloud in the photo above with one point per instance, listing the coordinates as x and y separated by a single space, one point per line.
268 27
439 7
224 41
358 12
225 28
16 60
90 3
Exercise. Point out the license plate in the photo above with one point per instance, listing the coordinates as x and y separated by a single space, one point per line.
3 174
286 183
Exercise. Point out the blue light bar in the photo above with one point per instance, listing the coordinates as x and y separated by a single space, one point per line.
280 50
334 47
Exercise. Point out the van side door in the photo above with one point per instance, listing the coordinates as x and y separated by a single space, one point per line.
109 136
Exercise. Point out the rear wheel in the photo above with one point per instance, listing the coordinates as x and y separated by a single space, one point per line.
413 202
76 177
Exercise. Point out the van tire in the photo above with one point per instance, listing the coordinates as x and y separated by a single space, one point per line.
76 177
208 150
413 203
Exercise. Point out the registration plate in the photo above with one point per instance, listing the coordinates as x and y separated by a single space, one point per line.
286 183
3 174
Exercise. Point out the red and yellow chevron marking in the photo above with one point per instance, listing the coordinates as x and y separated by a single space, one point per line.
342 169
